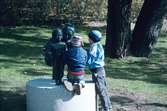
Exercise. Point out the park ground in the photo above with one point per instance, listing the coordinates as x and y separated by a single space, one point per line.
134 84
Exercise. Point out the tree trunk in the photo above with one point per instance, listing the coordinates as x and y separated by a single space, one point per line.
148 27
118 28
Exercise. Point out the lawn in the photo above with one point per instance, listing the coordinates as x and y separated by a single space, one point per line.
136 81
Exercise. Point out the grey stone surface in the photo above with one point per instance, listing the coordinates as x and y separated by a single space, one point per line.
44 95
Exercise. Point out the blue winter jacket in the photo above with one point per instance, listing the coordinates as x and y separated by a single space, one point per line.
76 58
95 56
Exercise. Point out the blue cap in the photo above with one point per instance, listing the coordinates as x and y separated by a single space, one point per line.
95 35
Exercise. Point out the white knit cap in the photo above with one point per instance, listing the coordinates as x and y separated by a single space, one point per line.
76 40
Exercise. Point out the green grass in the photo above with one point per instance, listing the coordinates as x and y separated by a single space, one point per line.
21 60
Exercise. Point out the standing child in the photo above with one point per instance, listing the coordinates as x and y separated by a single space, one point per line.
96 66
53 52
75 58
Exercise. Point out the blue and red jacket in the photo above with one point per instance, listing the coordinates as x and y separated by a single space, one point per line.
76 58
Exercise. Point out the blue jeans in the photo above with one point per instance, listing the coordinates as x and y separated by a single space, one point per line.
101 89
76 79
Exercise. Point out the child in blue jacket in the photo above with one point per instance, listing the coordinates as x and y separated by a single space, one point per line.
76 58
96 65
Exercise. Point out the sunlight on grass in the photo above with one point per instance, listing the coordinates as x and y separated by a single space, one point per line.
21 60
21 57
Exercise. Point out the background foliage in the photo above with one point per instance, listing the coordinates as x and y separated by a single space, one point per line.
39 12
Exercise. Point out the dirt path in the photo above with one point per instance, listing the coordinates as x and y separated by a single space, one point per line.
122 100
128 101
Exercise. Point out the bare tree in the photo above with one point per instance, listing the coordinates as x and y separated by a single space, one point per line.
118 28
148 27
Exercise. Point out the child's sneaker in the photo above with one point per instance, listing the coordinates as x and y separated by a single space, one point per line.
77 88
82 83
68 85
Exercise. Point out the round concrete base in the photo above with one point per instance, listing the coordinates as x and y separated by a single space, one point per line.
44 95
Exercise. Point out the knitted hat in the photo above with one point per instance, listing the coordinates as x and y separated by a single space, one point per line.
76 40
95 35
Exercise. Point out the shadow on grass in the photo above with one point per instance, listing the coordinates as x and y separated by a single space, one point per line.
7 61
23 34
86 28
159 52
4 82
12 101
121 99
33 72
17 49
156 104
12 44
153 69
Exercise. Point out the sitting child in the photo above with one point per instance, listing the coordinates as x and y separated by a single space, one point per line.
75 58
53 52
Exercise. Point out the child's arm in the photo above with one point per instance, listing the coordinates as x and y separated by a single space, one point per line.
91 57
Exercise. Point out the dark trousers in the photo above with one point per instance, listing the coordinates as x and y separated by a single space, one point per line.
101 89
58 71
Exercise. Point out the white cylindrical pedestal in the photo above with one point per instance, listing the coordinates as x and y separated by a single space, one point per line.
44 95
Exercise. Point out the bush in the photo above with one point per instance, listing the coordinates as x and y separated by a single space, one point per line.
39 12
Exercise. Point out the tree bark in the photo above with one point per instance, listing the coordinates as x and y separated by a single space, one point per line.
148 27
118 28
